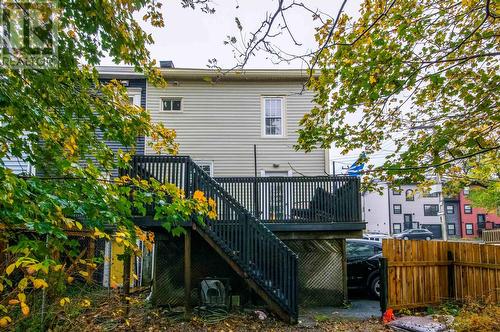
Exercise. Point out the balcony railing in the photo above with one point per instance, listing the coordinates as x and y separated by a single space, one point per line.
312 199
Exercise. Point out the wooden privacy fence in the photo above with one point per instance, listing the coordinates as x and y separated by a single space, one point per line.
491 236
423 273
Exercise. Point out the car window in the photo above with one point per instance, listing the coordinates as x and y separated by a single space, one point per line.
359 250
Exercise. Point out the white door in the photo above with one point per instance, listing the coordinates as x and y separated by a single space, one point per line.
275 197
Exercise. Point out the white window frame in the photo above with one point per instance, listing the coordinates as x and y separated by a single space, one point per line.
172 98
135 93
263 116
454 228
269 173
209 163
467 229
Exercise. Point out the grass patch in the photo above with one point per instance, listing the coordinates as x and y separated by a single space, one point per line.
321 318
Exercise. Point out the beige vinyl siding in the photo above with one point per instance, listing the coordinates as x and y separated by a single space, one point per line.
220 122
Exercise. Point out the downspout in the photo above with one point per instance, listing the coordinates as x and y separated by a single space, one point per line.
255 193
389 206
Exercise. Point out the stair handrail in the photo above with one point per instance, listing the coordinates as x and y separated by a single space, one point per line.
251 221
194 173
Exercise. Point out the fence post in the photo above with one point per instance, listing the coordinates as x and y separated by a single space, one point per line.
383 284
187 271
187 183
246 241
451 276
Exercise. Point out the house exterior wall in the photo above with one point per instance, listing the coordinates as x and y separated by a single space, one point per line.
413 208
492 219
220 123
17 165
376 211
134 86
452 216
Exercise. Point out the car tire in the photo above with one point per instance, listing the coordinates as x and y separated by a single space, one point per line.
428 238
406 238
375 288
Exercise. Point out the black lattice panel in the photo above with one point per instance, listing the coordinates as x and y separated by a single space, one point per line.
320 272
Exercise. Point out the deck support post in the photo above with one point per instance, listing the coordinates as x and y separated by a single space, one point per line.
187 271
126 279
384 283
344 269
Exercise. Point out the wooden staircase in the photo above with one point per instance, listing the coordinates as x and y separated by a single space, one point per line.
266 264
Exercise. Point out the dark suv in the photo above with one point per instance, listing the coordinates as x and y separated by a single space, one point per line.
363 265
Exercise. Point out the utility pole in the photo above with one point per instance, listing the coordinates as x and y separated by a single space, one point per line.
439 184
442 217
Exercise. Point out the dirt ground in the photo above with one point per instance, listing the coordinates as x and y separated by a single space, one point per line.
109 316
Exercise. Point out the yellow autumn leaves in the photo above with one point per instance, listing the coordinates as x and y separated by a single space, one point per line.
210 204
4 321
84 303
21 300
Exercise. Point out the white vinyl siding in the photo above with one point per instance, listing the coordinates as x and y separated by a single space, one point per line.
222 121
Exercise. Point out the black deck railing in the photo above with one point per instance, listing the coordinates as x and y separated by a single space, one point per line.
247 241
309 199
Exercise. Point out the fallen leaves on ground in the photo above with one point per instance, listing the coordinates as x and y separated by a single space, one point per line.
109 316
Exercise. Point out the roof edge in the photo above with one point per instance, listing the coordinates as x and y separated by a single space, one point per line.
299 75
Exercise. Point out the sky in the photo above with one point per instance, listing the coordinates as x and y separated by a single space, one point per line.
190 38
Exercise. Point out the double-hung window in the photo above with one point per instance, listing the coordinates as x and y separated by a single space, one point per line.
451 229
469 229
274 116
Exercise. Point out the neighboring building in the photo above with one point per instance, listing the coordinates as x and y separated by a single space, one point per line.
409 208
395 210
376 211
473 219
452 215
